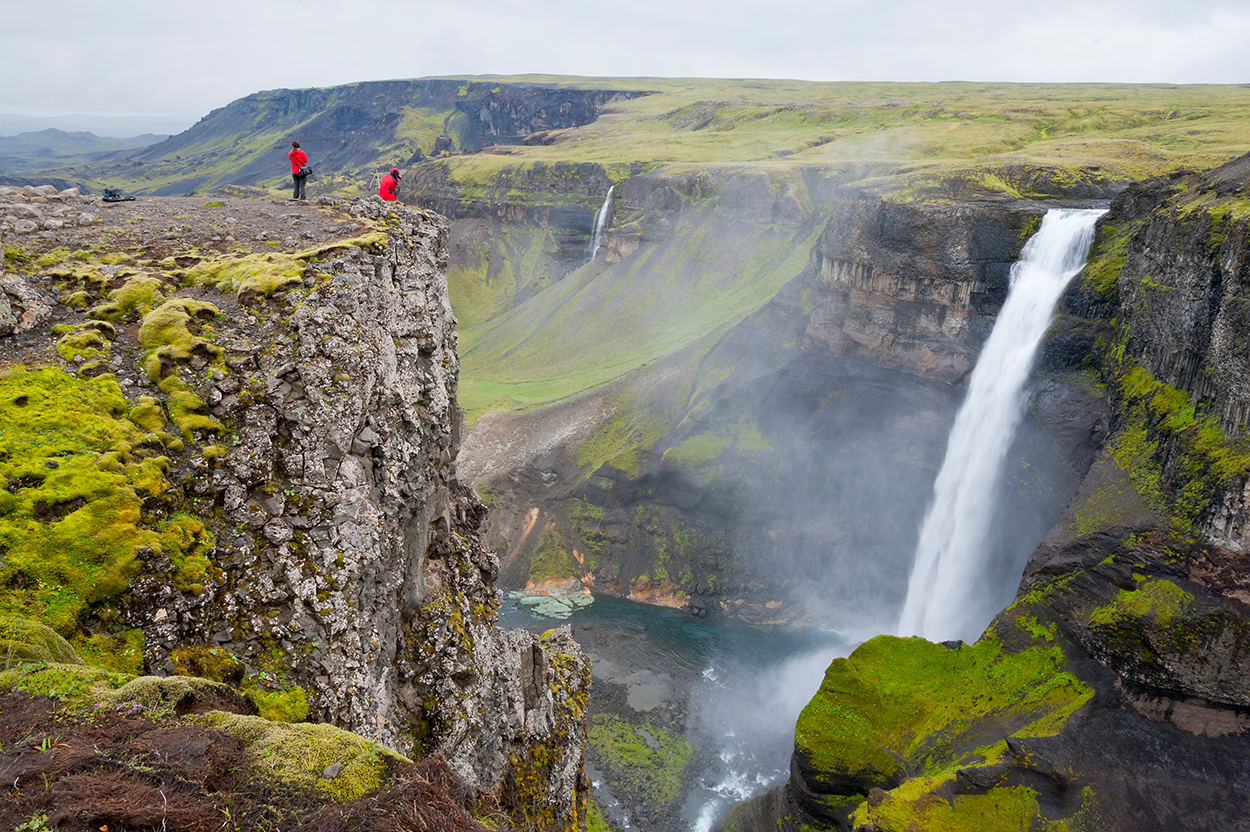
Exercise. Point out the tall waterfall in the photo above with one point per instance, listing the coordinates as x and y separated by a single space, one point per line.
945 599
601 220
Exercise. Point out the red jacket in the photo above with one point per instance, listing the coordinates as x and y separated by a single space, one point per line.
388 188
298 159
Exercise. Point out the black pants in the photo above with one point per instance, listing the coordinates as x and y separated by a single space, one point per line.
299 185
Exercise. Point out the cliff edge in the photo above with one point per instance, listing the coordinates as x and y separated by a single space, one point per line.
269 395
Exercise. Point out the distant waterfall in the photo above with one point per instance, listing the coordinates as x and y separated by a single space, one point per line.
601 221
945 599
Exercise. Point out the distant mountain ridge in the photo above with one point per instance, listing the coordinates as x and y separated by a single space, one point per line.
13 124
52 141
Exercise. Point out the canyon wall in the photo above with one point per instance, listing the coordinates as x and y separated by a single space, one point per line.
795 441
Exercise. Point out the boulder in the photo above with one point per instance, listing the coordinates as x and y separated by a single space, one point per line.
25 211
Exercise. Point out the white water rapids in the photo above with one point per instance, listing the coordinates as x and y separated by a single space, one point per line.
945 597
601 222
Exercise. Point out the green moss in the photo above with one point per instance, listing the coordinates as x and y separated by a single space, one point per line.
1035 629
1161 424
299 754
148 414
1161 600
917 805
899 699
121 653
595 820
162 696
186 410
697 450
135 298
622 441
207 663
276 696
86 344
76 686
1101 276
187 542
79 473
252 275
24 640
290 705
645 761
553 558
166 334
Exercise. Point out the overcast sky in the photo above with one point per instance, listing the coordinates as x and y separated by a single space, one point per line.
161 59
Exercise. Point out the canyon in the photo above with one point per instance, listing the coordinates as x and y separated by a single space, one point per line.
737 407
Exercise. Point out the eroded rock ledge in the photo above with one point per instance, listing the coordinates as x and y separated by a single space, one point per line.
355 547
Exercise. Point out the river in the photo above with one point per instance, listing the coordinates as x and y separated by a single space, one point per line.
733 691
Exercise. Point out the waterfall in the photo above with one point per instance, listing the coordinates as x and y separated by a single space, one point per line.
601 221
944 597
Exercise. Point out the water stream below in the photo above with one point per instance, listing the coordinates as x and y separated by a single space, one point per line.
735 691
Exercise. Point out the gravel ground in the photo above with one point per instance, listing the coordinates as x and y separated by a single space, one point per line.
163 226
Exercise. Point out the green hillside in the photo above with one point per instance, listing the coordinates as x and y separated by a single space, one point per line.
606 320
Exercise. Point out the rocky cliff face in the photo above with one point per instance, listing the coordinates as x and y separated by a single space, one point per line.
343 564
359 547
913 289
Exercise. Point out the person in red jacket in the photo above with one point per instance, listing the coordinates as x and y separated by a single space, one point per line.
299 159
389 188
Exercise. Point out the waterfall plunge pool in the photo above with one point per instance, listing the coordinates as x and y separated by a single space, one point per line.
732 691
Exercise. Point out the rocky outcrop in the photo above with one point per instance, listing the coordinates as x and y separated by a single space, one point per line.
356 548
33 209
312 462
913 289
516 114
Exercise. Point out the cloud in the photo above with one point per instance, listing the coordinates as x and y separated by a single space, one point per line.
132 57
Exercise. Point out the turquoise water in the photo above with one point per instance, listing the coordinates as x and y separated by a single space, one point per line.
736 689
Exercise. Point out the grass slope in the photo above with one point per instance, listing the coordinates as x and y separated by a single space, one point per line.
607 320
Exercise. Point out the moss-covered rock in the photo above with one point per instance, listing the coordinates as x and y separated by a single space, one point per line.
903 708
166 334
647 762
331 760
24 640
209 663
179 695
79 473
